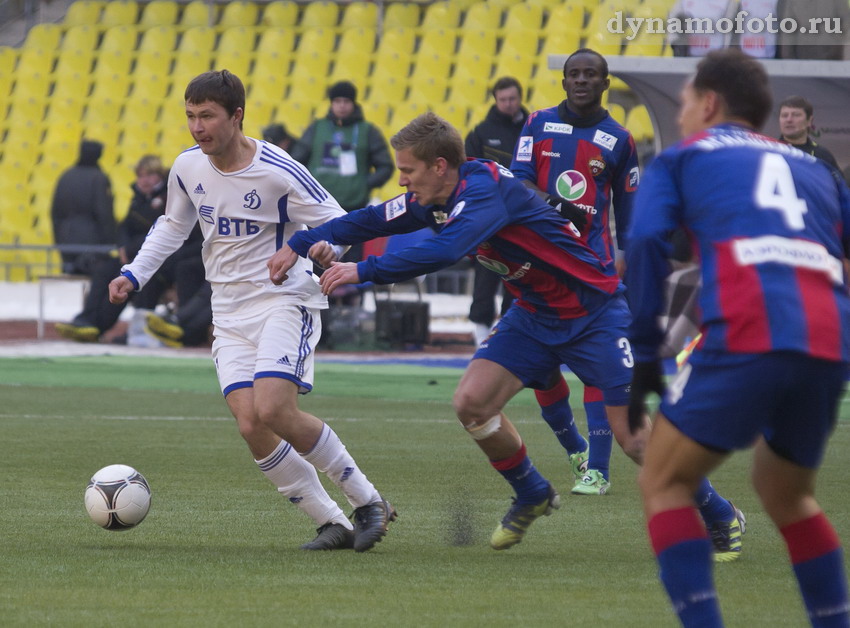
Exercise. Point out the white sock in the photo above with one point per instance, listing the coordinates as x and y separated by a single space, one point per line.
297 480
331 457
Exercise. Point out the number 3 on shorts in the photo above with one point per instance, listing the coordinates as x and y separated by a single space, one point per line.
628 358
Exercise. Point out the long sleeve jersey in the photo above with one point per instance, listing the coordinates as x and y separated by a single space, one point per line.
770 224
493 216
245 216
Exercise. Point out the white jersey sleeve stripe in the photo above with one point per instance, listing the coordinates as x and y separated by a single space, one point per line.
298 172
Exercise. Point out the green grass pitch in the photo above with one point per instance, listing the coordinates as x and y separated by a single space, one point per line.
220 546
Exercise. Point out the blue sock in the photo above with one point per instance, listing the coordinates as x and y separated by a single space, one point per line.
556 411
530 487
598 431
712 505
683 551
817 557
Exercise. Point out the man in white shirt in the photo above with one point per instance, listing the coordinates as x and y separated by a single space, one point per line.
250 198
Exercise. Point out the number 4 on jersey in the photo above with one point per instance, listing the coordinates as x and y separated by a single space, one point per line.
775 189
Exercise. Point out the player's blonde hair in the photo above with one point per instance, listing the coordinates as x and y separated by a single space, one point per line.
428 137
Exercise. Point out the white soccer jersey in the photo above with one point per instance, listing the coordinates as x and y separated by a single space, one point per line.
245 217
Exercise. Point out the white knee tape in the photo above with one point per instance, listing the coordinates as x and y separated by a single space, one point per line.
486 429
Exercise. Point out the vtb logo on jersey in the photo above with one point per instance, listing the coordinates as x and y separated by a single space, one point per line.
571 185
633 180
252 200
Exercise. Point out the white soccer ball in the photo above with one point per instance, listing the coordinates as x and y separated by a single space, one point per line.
118 497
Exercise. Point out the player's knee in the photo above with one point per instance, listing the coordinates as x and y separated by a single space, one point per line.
481 430
470 408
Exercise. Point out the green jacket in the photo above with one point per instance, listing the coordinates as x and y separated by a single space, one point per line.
326 147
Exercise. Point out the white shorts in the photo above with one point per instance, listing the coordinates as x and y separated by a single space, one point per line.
278 342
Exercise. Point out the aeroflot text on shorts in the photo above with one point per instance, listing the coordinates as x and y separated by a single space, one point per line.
741 24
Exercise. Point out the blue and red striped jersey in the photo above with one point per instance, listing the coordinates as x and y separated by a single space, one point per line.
493 216
589 161
770 225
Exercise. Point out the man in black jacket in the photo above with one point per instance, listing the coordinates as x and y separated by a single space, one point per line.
82 210
494 138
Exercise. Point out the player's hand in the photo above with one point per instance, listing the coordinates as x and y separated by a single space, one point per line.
280 263
568 210
646 378
339 274
322 253
120 290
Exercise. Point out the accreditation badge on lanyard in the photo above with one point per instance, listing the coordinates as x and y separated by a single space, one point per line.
348 158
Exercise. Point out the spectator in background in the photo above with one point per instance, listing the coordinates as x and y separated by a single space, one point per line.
699 44
277 134
99 315
758 42
348 155
830 40
494 138
82 210
796 116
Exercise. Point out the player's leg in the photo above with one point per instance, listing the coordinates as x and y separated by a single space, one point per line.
673 468
784 475
596 480
556 411
285 364
481 394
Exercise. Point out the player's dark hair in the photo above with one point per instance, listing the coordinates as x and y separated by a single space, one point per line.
798 102
589 51
221 87
506 82
428 137
740 80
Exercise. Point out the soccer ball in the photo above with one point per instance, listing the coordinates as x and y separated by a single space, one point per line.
118 497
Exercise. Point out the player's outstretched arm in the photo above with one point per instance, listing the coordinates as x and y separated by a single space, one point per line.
120 289
280 263
339 274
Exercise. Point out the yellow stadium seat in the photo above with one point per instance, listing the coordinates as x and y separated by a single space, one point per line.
35 85
276 41
398 39
514 64
138 141
296 115
468 90
377 112
390 89
483 15
71 85
116 62
83 13
504 3
320 14
520 41
242 39
260 113
139 109
280 14
455 114
605 44
45 36
270 74
102 109
563 43
406 111
402 15
617 112
26 112
441 42
159 13
7 80
547 90
351 67
524 16
565 19
188 65
8 59
60 129
316 41
639 124
239 13
198 13
308 85
477 42
360 14
118 12
646 45
159 38
35 60
81 37
121 38
173 140
430 90
392 64
441 14
358 40
73 61
197 38
235 62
